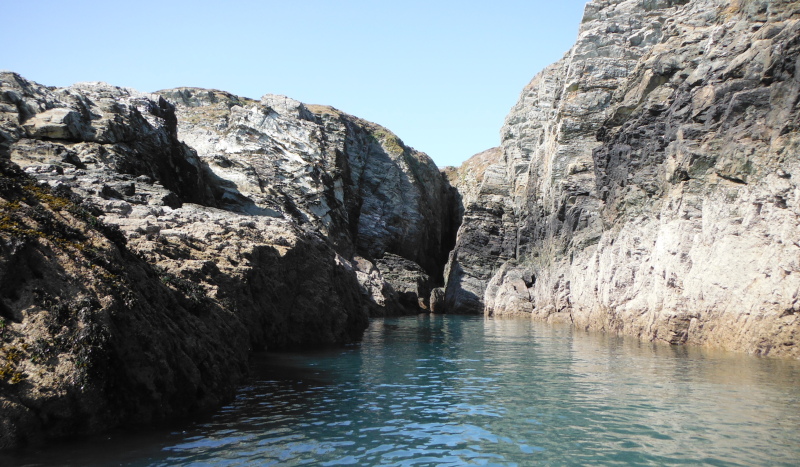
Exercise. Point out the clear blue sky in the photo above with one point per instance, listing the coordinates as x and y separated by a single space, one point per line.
442 75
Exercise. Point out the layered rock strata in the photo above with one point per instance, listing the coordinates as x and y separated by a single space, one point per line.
488 228
648 181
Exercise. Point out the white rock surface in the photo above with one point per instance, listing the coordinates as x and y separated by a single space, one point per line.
652 182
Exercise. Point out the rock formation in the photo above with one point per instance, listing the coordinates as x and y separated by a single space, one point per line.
351 180
91 335
487 233
646 184
647 181
145 252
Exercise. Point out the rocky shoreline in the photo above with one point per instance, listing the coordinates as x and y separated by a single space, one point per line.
138 272
646 184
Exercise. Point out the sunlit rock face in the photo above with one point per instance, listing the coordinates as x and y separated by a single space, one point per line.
351 180
648 181
120 152
145 252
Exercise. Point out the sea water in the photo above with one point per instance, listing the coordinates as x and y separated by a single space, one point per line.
449 390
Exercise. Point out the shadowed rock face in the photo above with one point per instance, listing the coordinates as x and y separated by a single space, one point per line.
488 231
137 271
648 181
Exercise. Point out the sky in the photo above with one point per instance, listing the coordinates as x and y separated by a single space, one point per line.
442 75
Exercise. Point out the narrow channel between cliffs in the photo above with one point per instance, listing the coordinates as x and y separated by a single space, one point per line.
645 184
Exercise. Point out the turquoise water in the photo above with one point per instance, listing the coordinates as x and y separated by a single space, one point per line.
434 390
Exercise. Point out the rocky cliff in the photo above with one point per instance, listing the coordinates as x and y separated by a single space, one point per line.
647 181
91 335
645 184
353 181
145 251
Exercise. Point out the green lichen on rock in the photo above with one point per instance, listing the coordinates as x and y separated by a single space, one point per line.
388 140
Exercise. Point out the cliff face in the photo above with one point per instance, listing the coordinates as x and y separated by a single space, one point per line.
91 335
485 238
351 180
647 181
137 271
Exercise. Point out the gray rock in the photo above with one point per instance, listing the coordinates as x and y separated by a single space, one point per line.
285 225
351 180
191 242
95 333
380 297
112 134
408 279
649 181
437 300
487 236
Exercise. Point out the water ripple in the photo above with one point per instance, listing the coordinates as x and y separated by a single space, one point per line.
464 391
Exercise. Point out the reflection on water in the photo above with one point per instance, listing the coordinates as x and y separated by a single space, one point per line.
468 391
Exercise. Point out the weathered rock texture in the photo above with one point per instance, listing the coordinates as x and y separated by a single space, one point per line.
351 180
119 150
136 273
487 233
648 181
91 335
